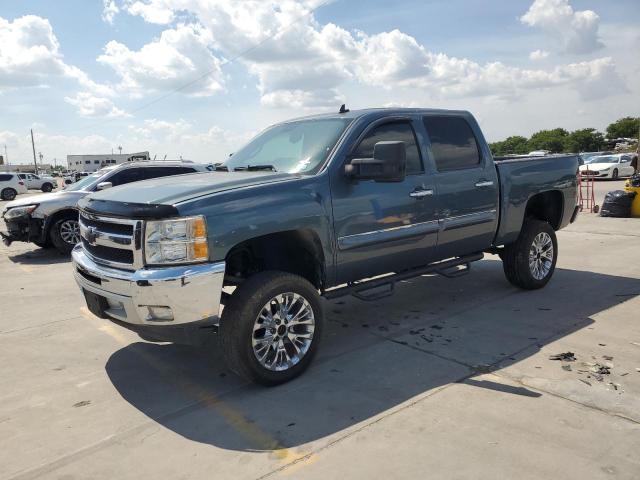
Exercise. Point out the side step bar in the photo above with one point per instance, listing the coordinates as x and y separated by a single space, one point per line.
447 268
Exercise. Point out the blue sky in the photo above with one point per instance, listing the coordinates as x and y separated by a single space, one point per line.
91 75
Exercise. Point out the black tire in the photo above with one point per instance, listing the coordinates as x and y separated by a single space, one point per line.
515 257
240 314
56 234
8 194
614 174
47 187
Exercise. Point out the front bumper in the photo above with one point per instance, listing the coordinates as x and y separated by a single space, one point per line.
23 229
192 292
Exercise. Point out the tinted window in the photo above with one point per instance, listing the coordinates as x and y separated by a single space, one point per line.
453 144
397 132
155 172
22 176
4 178
127 176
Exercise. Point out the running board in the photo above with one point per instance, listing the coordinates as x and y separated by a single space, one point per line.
447 268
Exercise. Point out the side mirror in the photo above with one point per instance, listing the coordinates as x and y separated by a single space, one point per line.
388 164
104 185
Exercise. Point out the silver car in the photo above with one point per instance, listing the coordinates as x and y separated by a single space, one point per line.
52 218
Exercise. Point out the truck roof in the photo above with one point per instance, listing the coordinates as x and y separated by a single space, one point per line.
380 112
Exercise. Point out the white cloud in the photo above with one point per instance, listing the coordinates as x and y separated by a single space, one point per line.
306 64
154 12
109 11
176 60
89 105
538 55
576 31
30 56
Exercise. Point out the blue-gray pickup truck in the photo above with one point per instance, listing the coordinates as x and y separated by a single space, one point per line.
323 206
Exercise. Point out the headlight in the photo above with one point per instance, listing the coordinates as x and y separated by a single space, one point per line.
179 240
16 212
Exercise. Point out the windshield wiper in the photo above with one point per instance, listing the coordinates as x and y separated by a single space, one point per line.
254 168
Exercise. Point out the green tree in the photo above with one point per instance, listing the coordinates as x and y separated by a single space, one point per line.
552 140
584 140
626 127
511 146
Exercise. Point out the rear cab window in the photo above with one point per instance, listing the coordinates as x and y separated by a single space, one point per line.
453 144
5 177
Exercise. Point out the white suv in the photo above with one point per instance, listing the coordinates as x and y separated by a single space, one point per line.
11 185
38 182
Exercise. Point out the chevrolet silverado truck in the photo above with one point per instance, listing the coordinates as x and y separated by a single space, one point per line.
323 206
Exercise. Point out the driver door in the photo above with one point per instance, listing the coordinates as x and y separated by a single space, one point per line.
383 227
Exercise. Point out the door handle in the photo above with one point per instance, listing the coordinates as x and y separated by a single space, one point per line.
421 193
484 184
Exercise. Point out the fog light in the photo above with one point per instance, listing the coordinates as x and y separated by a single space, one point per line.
160 314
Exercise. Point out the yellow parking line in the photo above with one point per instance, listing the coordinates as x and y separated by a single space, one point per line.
261 439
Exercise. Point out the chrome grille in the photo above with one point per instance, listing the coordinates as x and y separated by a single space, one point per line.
115 242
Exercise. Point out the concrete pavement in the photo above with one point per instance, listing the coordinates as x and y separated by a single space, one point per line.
446 379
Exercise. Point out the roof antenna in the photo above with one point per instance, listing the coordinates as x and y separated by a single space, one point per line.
343 109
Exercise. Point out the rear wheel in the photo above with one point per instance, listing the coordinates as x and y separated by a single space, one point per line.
65 233
270 327
530 261
8 194
47 187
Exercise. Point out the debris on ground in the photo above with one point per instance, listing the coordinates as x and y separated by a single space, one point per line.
584 381
566 367
83 403
607 357
566 357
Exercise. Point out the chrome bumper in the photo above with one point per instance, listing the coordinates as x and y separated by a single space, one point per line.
192 292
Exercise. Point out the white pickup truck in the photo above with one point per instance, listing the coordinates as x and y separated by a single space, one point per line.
38 182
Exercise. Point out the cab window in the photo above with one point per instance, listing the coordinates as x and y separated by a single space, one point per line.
453 144
396 132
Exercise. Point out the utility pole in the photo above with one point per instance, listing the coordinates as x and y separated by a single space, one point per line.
6 155
33 145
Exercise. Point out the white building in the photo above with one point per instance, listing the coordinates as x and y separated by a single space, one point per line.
91 163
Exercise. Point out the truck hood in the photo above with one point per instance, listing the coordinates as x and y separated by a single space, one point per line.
179 188
68 197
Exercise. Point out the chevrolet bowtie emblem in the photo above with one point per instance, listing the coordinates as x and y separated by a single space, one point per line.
92 235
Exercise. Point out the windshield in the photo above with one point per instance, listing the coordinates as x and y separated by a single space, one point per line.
294 147
85 182
602 159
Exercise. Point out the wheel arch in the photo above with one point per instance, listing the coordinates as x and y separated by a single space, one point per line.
547 206
295 251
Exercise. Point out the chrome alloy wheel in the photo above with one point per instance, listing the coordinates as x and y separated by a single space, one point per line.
283 331
541 256
70 231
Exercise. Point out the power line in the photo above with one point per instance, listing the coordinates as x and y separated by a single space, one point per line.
213 70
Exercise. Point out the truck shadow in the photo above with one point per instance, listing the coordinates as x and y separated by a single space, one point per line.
39 256
374 357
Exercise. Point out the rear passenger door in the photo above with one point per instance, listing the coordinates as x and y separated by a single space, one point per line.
467 185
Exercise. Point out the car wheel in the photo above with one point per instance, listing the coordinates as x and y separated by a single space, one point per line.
8 194
47 187
530 261
614 174
65 233
271 327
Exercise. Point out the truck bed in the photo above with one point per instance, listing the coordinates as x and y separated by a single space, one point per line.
521 178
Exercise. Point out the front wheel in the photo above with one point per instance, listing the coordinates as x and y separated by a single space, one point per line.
65 234
530 261
270 327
